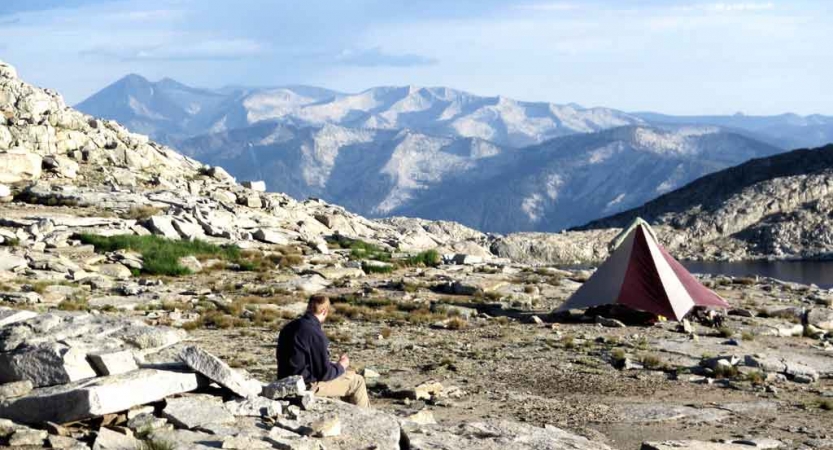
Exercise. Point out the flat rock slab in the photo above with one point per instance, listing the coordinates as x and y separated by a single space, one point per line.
196 411
704 445
99 396
186 440
496 435
360 427
644 413
107 439
9 316
254 407
219 372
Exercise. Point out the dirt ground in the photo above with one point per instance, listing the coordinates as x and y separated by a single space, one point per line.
562 374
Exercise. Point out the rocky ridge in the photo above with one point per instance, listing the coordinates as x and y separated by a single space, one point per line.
53 155
776 207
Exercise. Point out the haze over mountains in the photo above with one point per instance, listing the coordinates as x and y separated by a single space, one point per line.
493 163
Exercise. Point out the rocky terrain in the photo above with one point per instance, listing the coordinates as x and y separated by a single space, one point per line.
142 291
776 207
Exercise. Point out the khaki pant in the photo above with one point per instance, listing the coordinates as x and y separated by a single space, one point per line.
350 387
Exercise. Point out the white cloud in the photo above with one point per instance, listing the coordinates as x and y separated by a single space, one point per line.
733 7
376 57
213 49
550 6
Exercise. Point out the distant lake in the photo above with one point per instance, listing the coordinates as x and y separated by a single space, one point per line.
819 273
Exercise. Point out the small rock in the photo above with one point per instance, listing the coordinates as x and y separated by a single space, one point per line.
259 186
15 389
426 390
370 373
27 436
270 236
610 323
107 439
307 399
146 421
326 427
422 417
113 363
285 387
195 411
191 263
115 270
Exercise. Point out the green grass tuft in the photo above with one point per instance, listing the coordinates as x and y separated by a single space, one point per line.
428 258
160 255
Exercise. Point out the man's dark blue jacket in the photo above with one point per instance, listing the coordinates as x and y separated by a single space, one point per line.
303 349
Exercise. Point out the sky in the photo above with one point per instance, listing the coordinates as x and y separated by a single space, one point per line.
672 56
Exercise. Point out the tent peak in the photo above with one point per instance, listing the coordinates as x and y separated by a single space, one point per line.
617 241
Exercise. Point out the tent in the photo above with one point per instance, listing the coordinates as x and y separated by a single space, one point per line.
642 275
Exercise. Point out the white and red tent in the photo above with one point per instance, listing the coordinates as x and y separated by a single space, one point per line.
642 275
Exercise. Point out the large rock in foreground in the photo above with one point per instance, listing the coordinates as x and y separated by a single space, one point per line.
98 396
220 372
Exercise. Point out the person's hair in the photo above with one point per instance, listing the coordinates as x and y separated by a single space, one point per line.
318 304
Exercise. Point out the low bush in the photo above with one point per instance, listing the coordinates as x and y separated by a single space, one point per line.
653 362
756 377
725 332
74 305
361 250
457 323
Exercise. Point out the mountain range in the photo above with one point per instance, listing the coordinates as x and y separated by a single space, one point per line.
493 163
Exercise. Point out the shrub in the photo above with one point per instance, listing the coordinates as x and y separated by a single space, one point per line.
652 362
618 355
74 305
725 332
569 342
428 258
291 260
386 332
503 320
160 255
457 323
747 336
725 372
756 378
826 405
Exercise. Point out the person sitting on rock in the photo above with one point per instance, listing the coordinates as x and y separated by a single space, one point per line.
303 350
